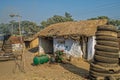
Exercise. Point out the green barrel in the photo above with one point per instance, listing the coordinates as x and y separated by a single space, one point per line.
44 59
40 59
36 60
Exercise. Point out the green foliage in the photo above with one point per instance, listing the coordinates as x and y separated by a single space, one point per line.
59 57
59 52
114 22
27 27
110 21
4 28
99 17
57 19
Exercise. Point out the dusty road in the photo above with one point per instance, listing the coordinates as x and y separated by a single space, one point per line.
75 70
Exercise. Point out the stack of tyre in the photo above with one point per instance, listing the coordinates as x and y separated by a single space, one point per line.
1 44
7 47
106 58
1 41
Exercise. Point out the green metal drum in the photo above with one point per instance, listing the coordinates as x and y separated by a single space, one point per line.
40 59
36 60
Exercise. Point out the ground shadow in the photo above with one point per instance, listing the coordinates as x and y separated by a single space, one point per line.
34 50
76 70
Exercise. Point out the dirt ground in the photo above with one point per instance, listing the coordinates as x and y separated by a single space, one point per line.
75 70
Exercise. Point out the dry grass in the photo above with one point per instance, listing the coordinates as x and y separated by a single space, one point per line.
77 69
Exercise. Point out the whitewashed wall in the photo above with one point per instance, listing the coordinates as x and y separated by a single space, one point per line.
69 46
91 49
17 47
41 50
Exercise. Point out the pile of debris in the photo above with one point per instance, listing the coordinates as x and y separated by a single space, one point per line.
106 59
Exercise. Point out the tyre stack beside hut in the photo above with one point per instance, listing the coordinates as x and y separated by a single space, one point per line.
106 58
7 48
119 44
1 44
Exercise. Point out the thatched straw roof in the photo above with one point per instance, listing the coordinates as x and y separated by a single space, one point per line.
31 37
15 40
82 28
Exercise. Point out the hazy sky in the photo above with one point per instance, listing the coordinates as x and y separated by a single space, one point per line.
38 10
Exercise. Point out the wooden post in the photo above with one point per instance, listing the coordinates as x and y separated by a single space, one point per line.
23 58
20 65
21 54
84 47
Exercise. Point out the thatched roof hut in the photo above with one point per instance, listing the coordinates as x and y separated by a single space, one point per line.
31 37
81 28
31 41
16 40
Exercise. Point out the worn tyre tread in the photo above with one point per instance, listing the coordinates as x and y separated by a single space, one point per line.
107 28
108 43
106 59
106 48
107 38
107 54
105 69
106 33
96 74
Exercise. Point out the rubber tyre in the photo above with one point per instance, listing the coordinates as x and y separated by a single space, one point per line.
92 77
104 69
98 74
7 45
107 38
106 64
10 47
106 48
8 50
106 33
107 54
97 69
108 43
1 43
107 28
106 59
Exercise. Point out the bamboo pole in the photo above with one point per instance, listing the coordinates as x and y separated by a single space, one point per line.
23 58
20 64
